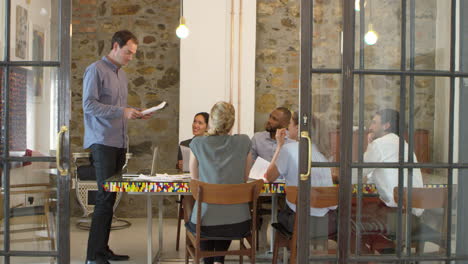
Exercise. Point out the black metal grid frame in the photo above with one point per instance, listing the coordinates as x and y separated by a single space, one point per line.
62 253
348 71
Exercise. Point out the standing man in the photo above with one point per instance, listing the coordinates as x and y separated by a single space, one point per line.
105 120
264 143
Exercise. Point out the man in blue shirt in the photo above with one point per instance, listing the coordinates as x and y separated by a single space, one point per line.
105 120
264 143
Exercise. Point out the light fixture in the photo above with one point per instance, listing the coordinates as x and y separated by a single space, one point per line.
371 37
357 5
43 12
182 30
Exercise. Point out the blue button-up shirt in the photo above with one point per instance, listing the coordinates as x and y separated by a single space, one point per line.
104 99
264 146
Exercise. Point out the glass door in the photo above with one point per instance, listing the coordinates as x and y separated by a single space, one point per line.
389 79
34 150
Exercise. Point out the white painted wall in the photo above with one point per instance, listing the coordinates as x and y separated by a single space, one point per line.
38 109
442 85
210 57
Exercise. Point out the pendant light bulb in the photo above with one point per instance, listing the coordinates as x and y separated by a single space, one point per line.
357 5
371 36
182 30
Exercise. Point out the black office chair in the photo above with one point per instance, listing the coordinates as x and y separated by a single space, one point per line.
86 189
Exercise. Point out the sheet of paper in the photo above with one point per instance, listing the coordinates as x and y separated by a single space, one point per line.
154 108
259 168
185 157
159 177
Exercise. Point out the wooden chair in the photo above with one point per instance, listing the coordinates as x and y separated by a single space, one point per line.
320 197
427 198
223 194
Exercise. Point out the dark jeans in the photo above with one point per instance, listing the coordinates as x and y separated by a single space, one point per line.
320 227
107 162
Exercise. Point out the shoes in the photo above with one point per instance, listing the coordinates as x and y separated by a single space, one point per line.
110 255
97 261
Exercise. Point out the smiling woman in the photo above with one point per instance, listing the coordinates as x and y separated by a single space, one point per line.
199 127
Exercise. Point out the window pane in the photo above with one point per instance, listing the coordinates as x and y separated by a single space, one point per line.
371 94
34 30
326 107
33 207
38 260
459 213
33 109
326 37
430 119
461 123
430 20
2 29
378 39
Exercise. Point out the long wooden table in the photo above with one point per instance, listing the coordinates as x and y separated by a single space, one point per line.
181 187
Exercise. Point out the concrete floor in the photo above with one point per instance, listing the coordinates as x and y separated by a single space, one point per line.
133 241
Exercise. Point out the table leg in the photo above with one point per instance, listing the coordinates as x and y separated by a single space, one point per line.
160 224
274 219
158 255
149 235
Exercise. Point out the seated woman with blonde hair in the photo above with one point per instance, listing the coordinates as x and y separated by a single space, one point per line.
221 158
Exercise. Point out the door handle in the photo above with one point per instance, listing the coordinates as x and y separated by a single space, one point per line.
62 171
305 134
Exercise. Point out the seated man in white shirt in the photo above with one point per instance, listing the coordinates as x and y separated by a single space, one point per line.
384 147
264 143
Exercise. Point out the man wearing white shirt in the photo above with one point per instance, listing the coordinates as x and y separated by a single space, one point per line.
384 147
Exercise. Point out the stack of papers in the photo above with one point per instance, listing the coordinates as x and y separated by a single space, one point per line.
154 108
259 169
159 177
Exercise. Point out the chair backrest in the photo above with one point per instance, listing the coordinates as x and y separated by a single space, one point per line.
320 197
424 198
225 193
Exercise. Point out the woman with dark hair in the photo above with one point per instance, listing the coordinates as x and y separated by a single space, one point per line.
199 128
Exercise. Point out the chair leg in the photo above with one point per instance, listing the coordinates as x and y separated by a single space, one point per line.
186 255
179 219
275 249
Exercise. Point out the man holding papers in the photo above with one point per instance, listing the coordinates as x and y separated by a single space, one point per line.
105 120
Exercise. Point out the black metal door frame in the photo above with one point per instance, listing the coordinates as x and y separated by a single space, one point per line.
347 72
62 253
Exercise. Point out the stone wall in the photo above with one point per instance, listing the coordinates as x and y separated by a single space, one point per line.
277 64
153 78
154 72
